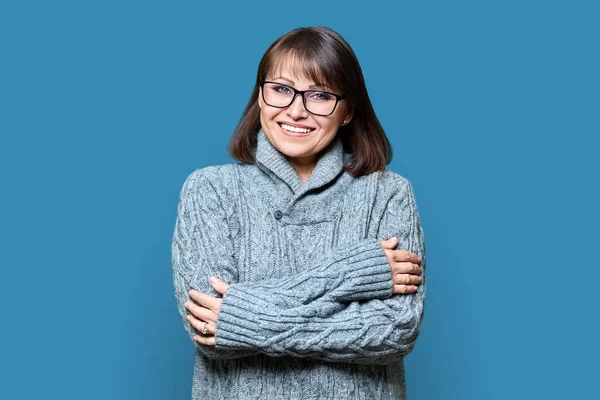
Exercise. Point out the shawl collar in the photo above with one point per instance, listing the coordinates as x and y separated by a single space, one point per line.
329 166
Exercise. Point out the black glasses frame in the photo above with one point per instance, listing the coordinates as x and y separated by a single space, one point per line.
338 97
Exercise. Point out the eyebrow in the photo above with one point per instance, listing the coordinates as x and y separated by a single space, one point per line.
293 83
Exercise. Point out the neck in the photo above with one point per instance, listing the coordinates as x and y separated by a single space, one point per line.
304 166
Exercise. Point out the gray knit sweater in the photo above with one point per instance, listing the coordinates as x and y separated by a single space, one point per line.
310 312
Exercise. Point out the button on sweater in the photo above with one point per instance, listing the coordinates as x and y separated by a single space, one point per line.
309 313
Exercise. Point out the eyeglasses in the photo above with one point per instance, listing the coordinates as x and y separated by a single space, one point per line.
316 102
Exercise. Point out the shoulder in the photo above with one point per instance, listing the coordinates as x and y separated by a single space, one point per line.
389 177
392 184
380 187
214 178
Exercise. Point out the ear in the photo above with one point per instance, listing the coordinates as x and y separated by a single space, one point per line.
259 99
348 116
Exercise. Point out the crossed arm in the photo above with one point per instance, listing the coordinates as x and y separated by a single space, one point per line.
340 309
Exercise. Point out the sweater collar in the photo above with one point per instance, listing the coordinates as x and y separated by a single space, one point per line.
329 166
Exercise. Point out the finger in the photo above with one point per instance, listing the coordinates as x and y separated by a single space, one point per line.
200 312
407 279
205 300
206 340
199 325
390 243
219 286
404 289
389 254
407 268
406 256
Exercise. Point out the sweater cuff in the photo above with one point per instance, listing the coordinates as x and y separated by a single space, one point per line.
370 276
238 324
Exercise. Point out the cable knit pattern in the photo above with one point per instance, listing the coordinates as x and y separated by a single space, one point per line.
310 312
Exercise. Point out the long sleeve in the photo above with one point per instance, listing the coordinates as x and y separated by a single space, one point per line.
202 247
369 331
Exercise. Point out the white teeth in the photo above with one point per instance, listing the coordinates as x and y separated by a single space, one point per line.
294 129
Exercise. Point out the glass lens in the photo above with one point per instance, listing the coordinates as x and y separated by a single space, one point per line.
277 95
320 102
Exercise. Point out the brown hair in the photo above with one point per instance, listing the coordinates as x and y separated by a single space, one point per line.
327 59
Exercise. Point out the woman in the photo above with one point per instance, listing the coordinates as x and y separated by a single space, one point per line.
299 271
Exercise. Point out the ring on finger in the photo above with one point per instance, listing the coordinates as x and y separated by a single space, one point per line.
204 330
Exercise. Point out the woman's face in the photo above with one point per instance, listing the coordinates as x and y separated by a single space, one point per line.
300 148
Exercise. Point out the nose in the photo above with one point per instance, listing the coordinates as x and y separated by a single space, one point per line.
296 110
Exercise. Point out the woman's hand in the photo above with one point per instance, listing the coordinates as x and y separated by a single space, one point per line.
205 311
405 266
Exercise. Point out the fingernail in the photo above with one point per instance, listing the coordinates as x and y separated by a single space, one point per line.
213 280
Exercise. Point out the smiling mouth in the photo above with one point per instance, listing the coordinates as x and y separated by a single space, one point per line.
295 129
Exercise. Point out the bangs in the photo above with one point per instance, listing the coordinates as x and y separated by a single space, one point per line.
302 63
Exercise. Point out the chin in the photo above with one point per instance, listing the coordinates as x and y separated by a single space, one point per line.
293 150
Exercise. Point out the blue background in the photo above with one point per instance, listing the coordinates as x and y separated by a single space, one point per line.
106 107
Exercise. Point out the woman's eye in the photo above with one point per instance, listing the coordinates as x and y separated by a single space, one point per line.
320 96
282 89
